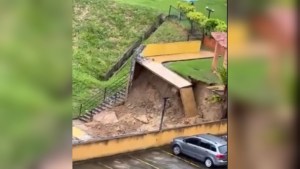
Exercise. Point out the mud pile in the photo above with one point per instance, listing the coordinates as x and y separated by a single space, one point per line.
142 110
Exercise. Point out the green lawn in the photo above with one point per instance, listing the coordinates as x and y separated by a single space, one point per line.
199 69
169 31
220 6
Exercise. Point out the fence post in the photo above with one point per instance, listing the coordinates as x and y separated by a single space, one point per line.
163 113
192 27
104 95
170 10
203 32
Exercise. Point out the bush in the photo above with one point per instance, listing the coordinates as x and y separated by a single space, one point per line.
185 7
222 27
197 17
214 25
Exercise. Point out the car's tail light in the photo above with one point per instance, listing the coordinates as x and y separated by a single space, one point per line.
220 156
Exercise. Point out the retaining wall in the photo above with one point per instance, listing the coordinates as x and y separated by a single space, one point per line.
102 148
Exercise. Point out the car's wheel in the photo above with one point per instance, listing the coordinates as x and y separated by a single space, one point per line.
208 163
176 150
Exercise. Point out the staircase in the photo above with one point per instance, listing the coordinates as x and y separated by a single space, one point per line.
114 100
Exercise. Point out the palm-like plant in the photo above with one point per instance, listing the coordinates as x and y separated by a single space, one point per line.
222 73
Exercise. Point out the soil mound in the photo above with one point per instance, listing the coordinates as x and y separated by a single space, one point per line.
143 108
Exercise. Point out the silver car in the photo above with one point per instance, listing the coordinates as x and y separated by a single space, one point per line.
210 149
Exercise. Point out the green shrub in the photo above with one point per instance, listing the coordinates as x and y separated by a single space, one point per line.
214 98
222 27
214 25
197 17
185 7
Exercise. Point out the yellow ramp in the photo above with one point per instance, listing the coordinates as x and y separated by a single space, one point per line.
171 48
188 101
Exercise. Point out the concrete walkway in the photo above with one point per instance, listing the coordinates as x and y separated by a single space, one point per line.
165 73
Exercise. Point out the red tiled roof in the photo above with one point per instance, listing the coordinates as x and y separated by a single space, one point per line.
220 37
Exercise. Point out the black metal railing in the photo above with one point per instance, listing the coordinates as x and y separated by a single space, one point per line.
175 13
118 84
195 30
129 52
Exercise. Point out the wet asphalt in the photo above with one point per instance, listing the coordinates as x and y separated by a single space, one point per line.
154 158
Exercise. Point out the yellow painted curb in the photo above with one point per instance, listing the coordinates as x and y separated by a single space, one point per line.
171 48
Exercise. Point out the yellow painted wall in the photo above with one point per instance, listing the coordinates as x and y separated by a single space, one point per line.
138 142
171 48
188 101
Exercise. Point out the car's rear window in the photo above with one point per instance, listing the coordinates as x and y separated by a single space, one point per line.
223 149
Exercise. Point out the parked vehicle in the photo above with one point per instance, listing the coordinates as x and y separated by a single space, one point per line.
210 149
225 137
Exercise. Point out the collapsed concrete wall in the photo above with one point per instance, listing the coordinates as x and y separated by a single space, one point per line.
188 101
166 76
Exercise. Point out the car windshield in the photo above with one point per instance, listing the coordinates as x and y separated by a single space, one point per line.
223 149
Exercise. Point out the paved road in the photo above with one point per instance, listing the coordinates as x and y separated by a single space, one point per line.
156 158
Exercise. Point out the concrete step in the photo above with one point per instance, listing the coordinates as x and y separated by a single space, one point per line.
106 105
100 108
116 99
84 118
88 115
94 111
120 100
121 95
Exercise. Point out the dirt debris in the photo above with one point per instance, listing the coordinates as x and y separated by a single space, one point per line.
142 111
107 117
207 108
143 118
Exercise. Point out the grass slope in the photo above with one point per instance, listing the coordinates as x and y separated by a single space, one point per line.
102 31
169 31
199 69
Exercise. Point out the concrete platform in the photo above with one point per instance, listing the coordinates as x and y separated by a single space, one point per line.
165 73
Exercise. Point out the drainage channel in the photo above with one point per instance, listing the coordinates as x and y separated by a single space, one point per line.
154 158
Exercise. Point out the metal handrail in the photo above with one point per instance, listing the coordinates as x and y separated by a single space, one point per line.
104 93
